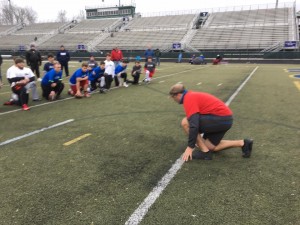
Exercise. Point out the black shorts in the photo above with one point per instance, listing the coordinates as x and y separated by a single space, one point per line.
214 127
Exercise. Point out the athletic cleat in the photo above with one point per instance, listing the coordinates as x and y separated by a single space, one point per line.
25 107
36 100
102 91
125 84
58 97
247 148
87 95
9 103
202 155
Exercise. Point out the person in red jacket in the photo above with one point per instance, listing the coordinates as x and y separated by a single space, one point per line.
207 115
116 56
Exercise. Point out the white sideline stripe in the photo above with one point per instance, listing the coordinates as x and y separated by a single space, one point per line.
35 132
47 103
143 208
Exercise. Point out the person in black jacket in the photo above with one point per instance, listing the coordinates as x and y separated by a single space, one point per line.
63 57
34 60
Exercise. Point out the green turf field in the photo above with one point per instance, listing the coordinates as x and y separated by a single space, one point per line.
133 137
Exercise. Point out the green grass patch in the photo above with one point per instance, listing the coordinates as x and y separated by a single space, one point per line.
135 139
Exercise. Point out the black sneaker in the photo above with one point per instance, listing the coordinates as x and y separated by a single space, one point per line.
202 155
102 91
58 97
247 148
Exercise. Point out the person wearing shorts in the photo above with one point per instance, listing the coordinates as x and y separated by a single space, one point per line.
79 81
209 116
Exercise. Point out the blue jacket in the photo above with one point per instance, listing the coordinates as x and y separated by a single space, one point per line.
78 73
149 52
63 56
120 68
51 77
96 73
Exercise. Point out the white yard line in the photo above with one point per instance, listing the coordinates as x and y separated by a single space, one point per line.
143 208
35 132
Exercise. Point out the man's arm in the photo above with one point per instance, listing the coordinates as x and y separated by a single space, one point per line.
39 59
193 129
27 58
68 56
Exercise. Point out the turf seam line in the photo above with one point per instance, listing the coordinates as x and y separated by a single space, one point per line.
65 99
143 208
35 132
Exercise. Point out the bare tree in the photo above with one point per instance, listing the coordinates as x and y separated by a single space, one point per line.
81 15
11 14
31 15
62 16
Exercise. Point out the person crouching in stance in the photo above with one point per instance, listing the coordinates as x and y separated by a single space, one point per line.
207 115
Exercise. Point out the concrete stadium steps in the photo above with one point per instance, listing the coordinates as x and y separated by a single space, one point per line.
4 28
141 39
93 25
40 28
253 29
69 40
12 42
161 22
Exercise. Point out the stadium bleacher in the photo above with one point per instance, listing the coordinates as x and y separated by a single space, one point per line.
248 29
253 28
40 28
161 22
4 28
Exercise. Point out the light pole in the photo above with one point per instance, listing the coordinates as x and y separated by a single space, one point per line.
276 3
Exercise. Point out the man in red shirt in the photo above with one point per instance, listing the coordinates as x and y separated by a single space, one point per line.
207 115
116 56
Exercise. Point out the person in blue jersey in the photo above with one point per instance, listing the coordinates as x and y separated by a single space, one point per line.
52 85
120 73
49 65
96 77
79 80
63 57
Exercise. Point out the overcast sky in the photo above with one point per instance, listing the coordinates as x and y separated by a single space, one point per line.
47 10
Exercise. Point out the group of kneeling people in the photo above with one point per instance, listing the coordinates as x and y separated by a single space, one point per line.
83 81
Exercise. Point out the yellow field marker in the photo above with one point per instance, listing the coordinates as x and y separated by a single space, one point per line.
297 83
285 70
76 139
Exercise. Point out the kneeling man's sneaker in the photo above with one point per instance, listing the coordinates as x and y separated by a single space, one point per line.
25 107
247 148
202 155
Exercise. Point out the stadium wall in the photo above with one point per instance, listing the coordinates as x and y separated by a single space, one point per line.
234 57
